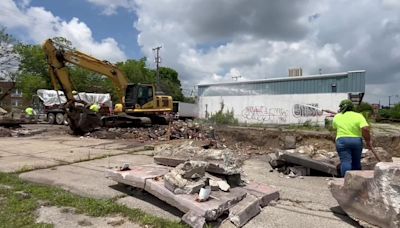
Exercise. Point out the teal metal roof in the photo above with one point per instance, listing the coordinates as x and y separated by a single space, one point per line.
346 82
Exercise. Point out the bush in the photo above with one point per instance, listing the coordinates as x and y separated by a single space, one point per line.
221 118
392 113
364 107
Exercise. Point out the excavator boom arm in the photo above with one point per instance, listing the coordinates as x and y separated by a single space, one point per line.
57 59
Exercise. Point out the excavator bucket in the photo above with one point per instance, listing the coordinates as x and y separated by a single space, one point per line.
82 120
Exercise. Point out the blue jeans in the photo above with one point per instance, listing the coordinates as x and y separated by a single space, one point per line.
349 150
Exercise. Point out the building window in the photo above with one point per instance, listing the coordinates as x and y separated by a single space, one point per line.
334 88
16 103
17 93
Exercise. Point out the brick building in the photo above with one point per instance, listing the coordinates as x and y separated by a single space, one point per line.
13 100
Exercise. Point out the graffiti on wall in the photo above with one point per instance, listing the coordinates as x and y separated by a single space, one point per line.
265 114
306 110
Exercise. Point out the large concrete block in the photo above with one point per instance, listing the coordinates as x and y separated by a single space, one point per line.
298 159
263 192
245 210
137 175
372 197
219 201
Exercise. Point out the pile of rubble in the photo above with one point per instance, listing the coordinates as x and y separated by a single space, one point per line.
302 160
222 161
203 183
176 130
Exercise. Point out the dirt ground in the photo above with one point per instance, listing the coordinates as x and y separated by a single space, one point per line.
77 164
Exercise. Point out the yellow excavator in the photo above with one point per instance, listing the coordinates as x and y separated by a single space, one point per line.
140 103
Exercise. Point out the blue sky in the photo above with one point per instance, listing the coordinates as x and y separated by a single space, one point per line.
119 26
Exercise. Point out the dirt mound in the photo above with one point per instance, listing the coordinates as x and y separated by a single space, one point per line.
4 132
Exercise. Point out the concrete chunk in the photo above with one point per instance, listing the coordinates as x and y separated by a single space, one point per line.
223 186
371 197
263 192
137 175
168 161
298 159
246 209
219 203
194 220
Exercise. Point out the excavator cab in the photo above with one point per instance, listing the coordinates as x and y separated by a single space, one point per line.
138 95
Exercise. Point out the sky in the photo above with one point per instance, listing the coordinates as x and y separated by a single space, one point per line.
210 41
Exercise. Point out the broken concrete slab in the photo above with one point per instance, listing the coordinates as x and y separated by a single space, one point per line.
263 192
210 210
216 167
186 178
377 190
194 220
245 210
169 161
305 161
137 175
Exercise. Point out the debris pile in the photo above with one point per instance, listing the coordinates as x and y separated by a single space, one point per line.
186 178
372 196
219 161
176 130
204 183
304 159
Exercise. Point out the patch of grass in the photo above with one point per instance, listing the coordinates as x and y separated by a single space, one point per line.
18 210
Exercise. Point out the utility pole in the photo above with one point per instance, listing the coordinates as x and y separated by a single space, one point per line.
157 60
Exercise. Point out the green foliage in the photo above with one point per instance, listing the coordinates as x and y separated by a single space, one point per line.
29 84
33 61
364 107
392 113
33 71
224 118
136 72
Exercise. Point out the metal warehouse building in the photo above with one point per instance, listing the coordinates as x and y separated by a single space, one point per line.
289 100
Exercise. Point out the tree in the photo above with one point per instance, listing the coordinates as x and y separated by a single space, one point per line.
136 72
170 83
9 61
33 71
9 58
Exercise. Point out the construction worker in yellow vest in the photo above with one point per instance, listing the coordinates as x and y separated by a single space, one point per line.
118 108
30 112
95 107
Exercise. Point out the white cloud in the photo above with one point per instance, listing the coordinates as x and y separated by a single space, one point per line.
206 40
41 24
111 7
